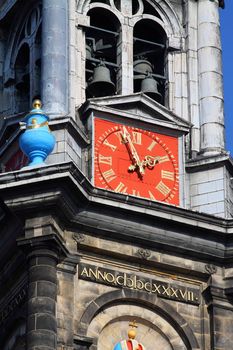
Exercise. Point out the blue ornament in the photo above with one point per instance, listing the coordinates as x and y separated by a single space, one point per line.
36 142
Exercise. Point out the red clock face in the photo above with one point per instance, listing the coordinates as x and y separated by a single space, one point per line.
136 162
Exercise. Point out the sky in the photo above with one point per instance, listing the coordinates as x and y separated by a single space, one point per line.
226 17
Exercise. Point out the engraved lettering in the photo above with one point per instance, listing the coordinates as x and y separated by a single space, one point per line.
174 292
110 277
183 294
166 291
84 272
93 273
102 275
113 278
118 280
157 288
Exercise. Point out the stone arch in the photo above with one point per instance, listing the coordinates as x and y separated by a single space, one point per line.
168 15
21 78
170 20
149 301
15 38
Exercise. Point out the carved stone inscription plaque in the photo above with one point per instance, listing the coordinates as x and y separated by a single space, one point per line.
132 281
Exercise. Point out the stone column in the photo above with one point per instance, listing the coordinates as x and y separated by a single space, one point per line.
125 52
43 254
192 62
210 78
55 57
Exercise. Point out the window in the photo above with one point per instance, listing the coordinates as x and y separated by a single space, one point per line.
23 62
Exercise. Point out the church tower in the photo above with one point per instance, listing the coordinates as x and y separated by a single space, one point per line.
115 184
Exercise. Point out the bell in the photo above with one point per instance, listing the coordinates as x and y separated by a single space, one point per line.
149 87
101 83
142 66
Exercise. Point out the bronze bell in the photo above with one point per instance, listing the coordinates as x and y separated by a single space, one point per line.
149 87
142 66
101 83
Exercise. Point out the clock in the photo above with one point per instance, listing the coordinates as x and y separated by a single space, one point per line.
135 161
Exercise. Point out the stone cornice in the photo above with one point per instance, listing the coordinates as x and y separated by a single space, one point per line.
64 190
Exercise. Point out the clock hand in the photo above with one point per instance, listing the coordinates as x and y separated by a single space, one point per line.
134 155
151 161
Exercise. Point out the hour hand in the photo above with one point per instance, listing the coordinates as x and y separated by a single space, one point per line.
151 161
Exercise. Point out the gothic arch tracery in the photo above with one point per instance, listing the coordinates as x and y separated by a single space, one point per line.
22 60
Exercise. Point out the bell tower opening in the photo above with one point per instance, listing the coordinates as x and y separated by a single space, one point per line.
101 53
149 59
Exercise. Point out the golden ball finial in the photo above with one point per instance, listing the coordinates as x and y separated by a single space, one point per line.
132 331
37 104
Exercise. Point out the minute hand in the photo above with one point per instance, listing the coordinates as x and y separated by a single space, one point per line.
134 155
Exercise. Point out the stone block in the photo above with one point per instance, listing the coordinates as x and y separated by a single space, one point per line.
41 305
32 291
47 289
46 321
42 273
41 338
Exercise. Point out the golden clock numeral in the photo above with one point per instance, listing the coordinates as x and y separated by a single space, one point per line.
162 188
151 196
169 175
105 159
106 143
109 175
163 159
136 137
121 188
136 193
152 145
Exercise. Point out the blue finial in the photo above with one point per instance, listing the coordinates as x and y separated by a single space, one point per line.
36 142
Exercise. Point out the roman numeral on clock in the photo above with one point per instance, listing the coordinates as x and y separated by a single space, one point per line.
109 175
151 196
105 159
136 137
163 159
121 188
152 145
169 175
162 188
108 144
136 193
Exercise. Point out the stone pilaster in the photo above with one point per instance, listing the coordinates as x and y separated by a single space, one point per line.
55 57
125 60
210 78
220 310
65 302
43 254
